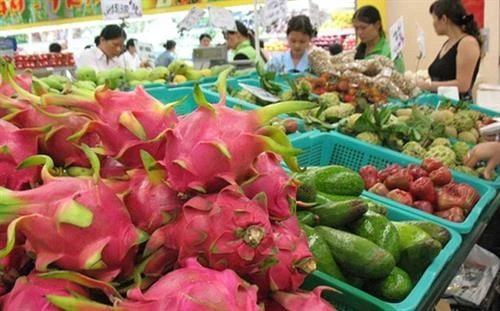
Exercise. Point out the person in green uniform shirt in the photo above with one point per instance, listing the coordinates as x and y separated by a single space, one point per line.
242 42
368 26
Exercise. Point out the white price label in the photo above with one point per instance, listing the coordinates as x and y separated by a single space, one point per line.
260 93
222 18
397 37
274 11
192 18
115 9
317 15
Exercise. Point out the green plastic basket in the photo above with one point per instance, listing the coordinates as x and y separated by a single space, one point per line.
168 95
336 148
354 299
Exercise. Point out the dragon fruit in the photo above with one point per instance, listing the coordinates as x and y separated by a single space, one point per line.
294 261
192 287
215 145
13 264
298 301
8 73
16 145
149 200
271 179
225 231
68 209
30 293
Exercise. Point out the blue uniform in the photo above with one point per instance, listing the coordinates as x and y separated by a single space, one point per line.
283 63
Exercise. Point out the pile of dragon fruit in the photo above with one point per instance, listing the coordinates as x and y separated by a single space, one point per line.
114 202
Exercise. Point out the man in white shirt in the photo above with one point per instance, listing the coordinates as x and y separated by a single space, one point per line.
109 52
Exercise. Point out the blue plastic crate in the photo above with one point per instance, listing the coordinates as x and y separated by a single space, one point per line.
168 95
336 148
359 300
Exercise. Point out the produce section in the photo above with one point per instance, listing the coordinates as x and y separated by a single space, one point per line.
366 216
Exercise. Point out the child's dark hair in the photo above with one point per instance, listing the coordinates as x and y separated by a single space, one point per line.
370 15
301 23
455 12
130 43
205 35
110 32
170 44
55 48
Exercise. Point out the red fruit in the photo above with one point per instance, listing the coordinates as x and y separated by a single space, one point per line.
400 180
296 301
400 196
424 206
389 170
380 189
348 98
441 176
369 175
431 165
455 214
343 86
470 196
423 189
417 171
448 197
291 125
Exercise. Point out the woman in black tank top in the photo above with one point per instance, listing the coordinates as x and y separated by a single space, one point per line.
457 63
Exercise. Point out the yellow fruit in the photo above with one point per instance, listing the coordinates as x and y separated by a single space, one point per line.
148 4
206 72
179 79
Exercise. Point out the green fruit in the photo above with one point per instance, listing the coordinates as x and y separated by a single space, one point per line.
308 218
357 256
393 288
86 74
467 137
322 254
338 180
378 229
159 72
437 232
339 214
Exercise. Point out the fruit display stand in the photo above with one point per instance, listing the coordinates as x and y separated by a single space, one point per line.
318 149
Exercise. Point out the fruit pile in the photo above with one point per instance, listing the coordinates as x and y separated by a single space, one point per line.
353 239
428 187
112 199
43 60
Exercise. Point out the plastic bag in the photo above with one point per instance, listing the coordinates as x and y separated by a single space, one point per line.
475 276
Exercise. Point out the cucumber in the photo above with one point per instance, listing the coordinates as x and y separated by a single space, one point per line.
393 288
322 254
357 256
338 214
378 229
308 218
437 232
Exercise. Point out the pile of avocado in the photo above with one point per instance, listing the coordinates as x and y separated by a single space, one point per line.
352 239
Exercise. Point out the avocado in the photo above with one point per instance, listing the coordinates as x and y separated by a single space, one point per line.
393 288
338 214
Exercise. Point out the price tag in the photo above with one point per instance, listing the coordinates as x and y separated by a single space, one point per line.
192 18
222 18
317 15
260 93
397 37
421 42
115 9
274 11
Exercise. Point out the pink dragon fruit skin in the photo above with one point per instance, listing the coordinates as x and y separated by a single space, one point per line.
294 258
16 145
29 293
69 209
271 179
195 288
224 230
298 301
23 80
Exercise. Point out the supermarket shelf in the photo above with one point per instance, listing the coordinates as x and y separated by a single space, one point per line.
43 72
446 276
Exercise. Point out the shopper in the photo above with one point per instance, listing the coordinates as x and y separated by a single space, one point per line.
55 48
168 56
108 54
242 42
205 40
299 34
457 63
131 56
368 26
97 40
335 48
489 152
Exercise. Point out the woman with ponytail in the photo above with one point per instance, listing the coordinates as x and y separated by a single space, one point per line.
457 63
242 42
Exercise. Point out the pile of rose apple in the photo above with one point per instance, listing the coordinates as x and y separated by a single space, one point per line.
428 187
117 188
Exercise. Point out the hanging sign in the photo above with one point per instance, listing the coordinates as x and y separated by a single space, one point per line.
222 18
191 19
115 9
397 37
